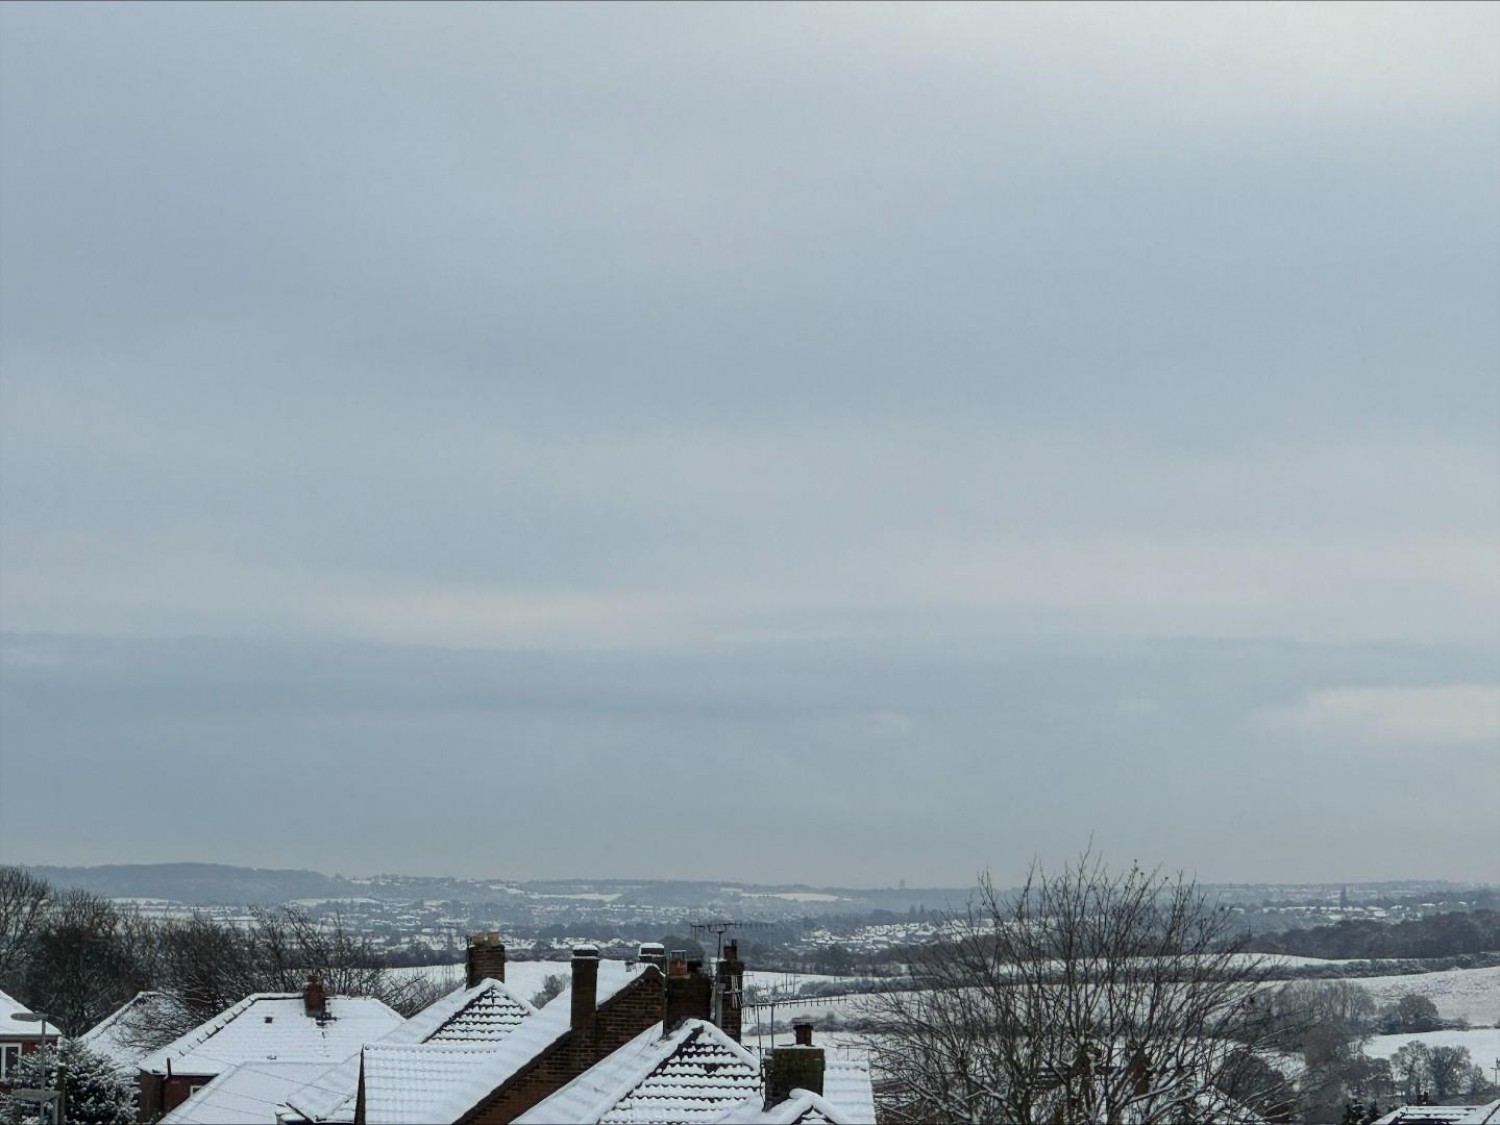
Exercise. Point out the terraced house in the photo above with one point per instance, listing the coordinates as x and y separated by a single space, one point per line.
653 1039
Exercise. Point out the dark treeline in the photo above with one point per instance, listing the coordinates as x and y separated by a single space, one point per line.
78 957
1438 935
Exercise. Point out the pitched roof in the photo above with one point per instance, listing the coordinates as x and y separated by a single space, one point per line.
1488 1114
847 1086
802 1107
486 1013
405 1083
480 1016
697 1074
16 1029
692 1074
274 1026
534 1036
118 1036
247 1094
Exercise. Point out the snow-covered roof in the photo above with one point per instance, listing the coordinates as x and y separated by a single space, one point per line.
846 1084
405 1084
486 1013
118 1036
802 1107
481 1016
247 1094
1488 1114
692 1074
696 1075
517 1049
533 1036
274 1026
18 1029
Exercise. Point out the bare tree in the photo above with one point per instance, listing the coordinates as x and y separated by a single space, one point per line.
202 966
1086 996
1411 1066
80 968
1451 1068
22 896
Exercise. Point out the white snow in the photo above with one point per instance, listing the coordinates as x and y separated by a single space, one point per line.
1460 994
1483 1043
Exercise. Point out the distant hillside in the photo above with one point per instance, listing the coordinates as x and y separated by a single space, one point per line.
217 884
197 883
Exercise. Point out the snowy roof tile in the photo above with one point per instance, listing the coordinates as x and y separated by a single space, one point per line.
119 1035
486 1013
692 1074
274 1026
247 1094
533 1036
847 1099
408 1084
802 1107
482 1015
522 1045
1488 1114
847 1086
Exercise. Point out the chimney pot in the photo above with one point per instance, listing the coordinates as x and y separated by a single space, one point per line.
803 1029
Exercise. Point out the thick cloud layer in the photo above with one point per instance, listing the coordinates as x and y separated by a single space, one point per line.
984 425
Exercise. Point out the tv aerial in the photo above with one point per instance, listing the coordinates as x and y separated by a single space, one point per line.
721 926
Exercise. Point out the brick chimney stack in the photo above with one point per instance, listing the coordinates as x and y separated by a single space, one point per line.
653 953
485 958
689 992
794 1068
314 999
585 985
729 977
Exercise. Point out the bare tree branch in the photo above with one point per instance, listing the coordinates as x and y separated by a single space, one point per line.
1085 996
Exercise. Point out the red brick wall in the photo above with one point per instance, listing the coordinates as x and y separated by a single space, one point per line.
160 1094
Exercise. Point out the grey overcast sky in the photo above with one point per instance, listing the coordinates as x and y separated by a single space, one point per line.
836 444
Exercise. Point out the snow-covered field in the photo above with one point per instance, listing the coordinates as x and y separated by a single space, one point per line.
839 1044
784 983
1460 994
524 977
1483 1043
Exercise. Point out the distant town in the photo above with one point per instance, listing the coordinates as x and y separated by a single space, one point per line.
418 920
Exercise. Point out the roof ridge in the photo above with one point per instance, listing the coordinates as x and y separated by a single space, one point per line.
477 993
457 1048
